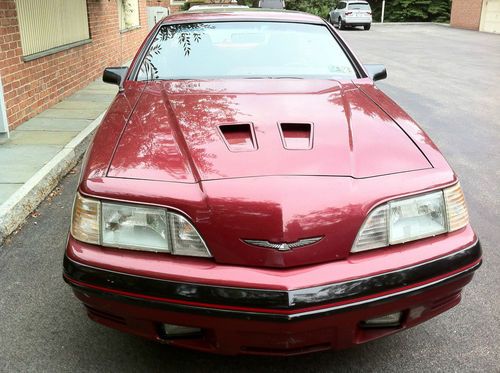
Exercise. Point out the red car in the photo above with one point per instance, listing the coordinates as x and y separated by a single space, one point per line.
250 191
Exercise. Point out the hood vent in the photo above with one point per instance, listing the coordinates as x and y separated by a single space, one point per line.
239 137
297 136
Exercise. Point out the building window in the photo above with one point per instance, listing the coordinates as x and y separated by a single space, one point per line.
46 25
128 11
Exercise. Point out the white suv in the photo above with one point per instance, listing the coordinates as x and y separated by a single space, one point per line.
351 13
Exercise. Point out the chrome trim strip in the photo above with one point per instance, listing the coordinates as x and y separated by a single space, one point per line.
396 270
383 297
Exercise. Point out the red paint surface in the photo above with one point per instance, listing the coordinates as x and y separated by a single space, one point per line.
173 134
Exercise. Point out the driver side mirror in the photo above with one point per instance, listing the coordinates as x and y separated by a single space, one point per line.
376 71
114 75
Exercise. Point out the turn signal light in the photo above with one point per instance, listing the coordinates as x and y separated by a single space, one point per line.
85 224
458 217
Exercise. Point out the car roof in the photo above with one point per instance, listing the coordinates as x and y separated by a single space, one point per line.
239 14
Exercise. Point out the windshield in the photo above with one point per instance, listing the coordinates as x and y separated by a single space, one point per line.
244 49
358 6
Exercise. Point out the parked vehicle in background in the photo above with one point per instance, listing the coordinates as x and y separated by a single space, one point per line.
271 4
351 14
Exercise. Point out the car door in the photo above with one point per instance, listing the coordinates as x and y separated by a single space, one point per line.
342 10
331 15
334 14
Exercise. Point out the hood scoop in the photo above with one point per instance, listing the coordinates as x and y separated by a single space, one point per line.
296 136
239 137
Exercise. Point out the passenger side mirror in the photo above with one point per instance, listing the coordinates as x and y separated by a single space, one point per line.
114 75
376 71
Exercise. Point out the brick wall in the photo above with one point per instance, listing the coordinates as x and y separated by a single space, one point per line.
466 14
174 8
31 87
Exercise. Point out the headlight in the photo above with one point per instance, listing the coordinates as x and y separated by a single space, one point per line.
135 227
413 218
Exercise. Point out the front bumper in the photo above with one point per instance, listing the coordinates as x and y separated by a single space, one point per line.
252 320
272 304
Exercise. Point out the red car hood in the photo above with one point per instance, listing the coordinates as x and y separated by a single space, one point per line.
330 128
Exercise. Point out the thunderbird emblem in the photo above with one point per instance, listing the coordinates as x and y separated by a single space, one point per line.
284 246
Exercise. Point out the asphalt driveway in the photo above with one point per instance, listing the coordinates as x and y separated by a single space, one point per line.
449 80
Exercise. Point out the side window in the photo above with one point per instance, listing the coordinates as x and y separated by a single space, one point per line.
341 5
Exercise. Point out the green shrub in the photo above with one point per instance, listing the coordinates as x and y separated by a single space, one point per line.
318 7
412 10
395 10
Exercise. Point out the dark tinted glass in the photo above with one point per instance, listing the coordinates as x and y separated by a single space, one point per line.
271 4
359 6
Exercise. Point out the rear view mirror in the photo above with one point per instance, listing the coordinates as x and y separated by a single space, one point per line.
376 71
114 75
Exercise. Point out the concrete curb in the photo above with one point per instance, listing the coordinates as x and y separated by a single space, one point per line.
19 205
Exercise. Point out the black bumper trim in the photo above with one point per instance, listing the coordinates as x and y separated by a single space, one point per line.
258 300
270 316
